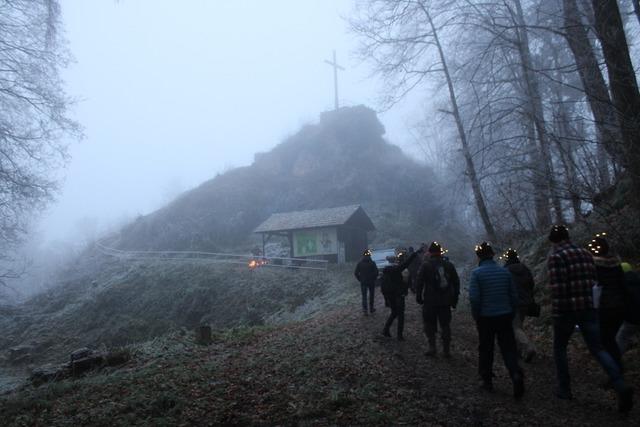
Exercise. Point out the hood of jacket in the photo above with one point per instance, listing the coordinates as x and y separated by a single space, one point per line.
606 261
517 268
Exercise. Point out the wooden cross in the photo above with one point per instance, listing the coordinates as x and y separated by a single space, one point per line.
336 67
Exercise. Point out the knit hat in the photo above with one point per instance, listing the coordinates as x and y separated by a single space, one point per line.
367 252
435 248
511 255
626 267
484 250
558 233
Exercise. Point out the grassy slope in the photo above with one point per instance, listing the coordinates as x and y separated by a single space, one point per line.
112 303
332 369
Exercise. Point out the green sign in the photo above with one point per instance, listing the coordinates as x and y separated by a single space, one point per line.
306 244
317 241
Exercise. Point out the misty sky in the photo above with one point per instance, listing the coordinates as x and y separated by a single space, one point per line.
171 93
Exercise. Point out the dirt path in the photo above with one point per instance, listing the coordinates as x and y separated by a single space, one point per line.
336 369
339 369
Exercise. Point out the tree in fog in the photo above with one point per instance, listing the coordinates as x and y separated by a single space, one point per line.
542 130
403 38
33 113
622 80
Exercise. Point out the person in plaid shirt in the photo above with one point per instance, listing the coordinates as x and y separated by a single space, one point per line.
572 274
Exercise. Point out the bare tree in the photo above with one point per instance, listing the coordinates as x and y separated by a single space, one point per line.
399 37
33 112
595 87
622 79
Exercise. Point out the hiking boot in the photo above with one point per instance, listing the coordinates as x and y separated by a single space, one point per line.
606 384
625 400
386 333
486 385
373 310
518 385
446 351
563 394
528 358
400 338
431 350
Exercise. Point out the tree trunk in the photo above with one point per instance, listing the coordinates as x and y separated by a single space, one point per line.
636 8
593 83
540 196
471 169
536 111
622 79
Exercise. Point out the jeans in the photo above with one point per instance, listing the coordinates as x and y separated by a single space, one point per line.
367 287
610 322
587 321
396 304
490 328
431 316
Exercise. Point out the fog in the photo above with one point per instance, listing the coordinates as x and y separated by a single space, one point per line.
170 94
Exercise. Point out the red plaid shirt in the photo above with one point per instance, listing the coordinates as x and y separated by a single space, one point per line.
572 274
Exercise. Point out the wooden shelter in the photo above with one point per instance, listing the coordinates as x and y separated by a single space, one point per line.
335 234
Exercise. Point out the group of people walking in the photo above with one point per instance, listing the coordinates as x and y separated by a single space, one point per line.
590 291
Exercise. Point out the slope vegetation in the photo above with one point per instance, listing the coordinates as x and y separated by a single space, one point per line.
341 160
334 369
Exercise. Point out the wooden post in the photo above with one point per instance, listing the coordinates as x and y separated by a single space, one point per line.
203 335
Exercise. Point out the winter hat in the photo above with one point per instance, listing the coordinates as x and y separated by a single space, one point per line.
558 233
367 252
435 248
484 250
626 267
599 245
511 255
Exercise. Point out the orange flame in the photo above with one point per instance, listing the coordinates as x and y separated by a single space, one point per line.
255 263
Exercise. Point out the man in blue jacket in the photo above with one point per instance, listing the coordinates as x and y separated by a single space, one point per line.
494 301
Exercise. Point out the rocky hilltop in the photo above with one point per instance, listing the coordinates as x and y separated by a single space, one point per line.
343 159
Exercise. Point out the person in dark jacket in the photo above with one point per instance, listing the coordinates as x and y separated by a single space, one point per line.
631 325
398 290
523 280
437 290
494 301
413 270
367 272
572 275
611 278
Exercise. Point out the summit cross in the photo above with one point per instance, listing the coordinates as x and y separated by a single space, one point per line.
336 67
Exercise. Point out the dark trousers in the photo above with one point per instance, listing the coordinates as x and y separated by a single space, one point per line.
610 323
396 304
490 328
367 287
431 317
587 321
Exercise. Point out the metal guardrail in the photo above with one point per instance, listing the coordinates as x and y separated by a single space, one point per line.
250 261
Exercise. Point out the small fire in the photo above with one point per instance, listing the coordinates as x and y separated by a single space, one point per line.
255 263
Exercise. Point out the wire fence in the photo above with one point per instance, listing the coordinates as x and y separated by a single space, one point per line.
251 261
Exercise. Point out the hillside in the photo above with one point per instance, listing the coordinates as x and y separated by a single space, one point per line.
334 369
109 302
341 160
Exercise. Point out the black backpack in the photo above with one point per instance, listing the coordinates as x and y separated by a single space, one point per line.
441 283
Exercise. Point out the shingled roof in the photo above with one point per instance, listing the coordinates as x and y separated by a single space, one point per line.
316 218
